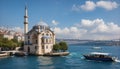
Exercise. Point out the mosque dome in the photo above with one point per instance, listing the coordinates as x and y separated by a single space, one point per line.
42 25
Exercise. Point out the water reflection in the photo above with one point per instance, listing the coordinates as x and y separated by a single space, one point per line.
51 62
44 60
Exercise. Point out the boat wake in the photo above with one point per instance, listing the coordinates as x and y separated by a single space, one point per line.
117 60
73 54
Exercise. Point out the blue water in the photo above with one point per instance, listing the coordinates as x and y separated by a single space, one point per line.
73 61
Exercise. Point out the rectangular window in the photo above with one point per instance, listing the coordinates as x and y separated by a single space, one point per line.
42 40
36 41
46 47
28 41
42 47
35 47
28 37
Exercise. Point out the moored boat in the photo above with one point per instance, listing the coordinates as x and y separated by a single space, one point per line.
97 56
20 54
2 54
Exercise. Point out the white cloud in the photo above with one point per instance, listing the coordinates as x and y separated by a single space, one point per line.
90 29
54 22
76 8
90 5
72 32
100 26
86 23
108 5
18 29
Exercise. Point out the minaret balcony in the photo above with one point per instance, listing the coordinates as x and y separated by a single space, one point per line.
25 22
25 16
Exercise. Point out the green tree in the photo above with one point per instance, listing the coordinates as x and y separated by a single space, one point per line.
56 47
9 44
63 46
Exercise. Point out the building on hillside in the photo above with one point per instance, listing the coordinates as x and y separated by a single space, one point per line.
19 38
10 34
39 40
9 37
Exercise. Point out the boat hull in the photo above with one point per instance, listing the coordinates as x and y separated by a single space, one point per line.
98 59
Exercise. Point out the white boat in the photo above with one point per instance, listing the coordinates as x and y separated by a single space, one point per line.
3 54
97 47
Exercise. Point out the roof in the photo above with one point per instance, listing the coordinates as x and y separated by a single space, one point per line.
99 53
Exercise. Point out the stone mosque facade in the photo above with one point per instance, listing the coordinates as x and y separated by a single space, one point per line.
40 39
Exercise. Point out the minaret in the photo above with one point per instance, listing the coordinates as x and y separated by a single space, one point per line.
25 25
26 20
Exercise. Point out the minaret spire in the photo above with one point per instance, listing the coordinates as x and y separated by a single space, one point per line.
26 11
26 20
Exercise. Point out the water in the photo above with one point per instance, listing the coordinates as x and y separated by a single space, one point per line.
73 61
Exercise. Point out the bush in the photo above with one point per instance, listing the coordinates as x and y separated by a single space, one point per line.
62 46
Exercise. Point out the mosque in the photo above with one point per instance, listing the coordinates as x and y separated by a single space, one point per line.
40 39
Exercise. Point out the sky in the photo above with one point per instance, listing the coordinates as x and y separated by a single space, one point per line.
69 19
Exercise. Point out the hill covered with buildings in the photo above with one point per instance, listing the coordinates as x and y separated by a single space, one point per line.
92 42
11 33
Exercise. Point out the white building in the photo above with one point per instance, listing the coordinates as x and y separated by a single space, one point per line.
9 37
39 40
19 38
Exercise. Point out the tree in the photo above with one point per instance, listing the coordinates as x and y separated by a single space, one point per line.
56 47
14 40
6 44
60 46
63 46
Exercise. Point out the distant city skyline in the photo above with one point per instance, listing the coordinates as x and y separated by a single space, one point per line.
73 19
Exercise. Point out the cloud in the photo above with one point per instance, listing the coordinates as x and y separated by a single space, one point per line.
108 5
76 8
90 29
18 29
54 22
99 26
90 5
72 32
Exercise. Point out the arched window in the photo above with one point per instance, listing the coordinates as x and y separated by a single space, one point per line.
47 34
42 40
46 40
